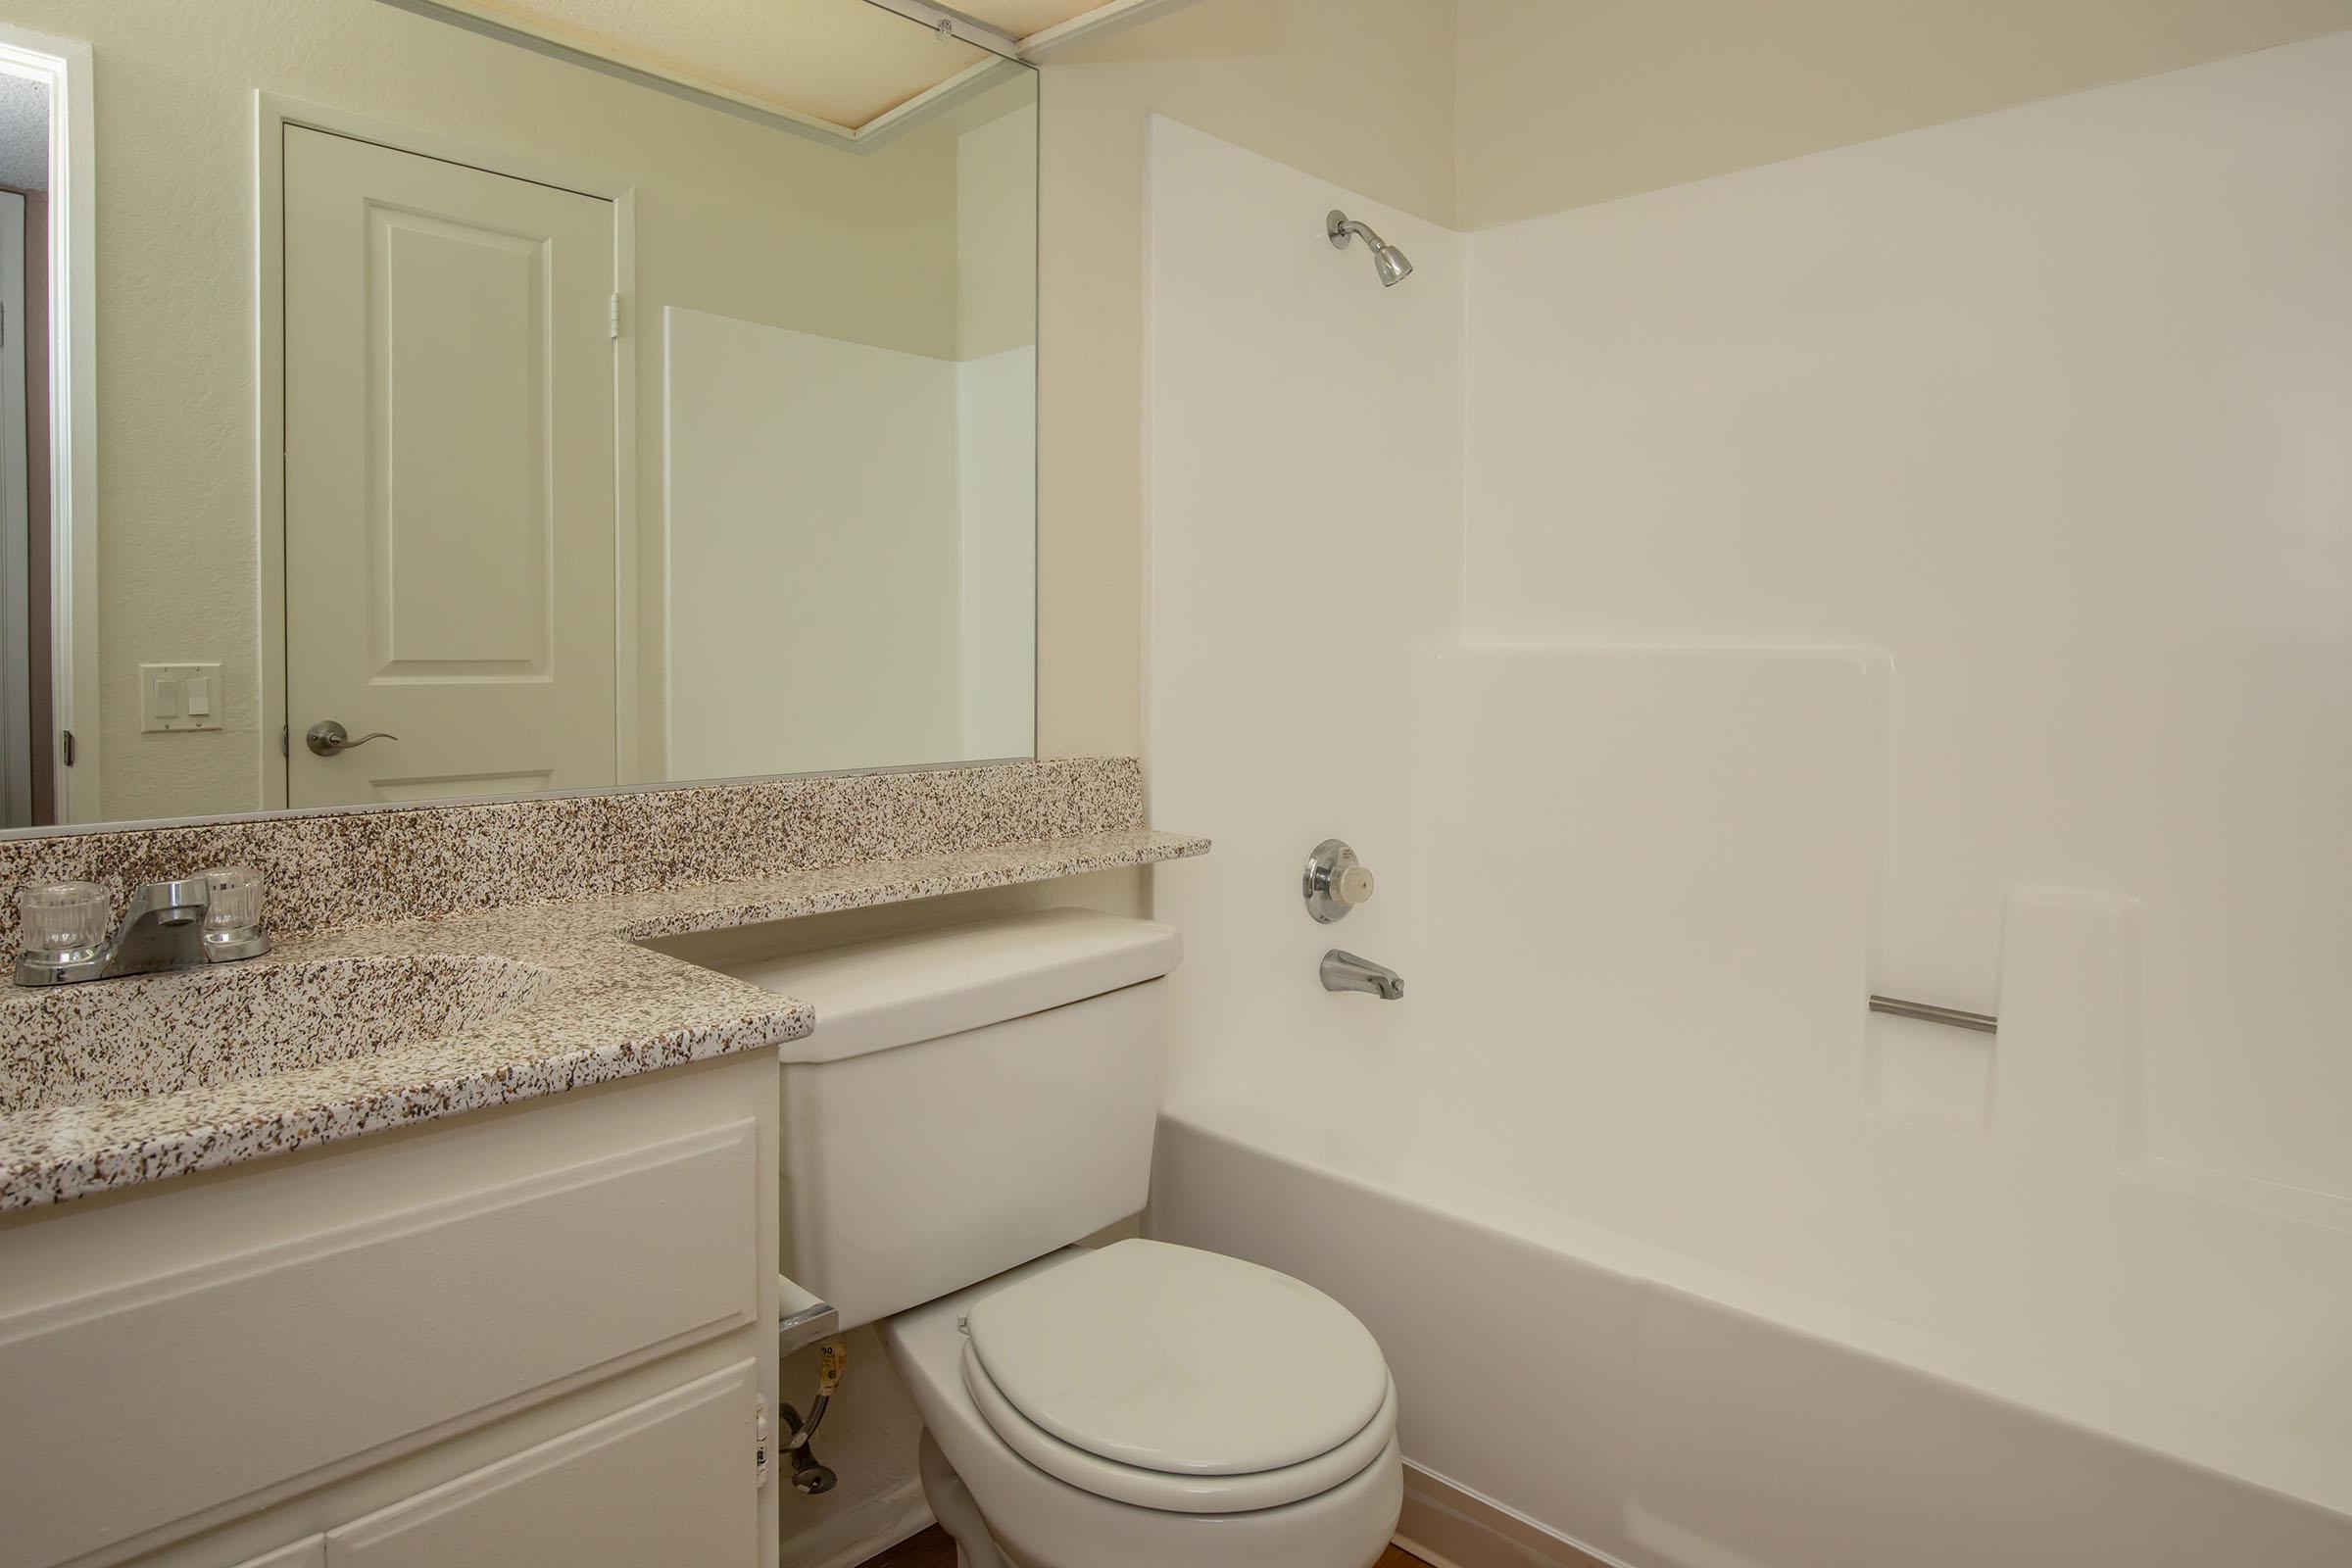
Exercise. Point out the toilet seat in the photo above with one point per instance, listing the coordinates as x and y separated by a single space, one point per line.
1175 1379
1176 1493
1039 1520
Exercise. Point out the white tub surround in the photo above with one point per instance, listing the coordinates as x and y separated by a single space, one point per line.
1913 569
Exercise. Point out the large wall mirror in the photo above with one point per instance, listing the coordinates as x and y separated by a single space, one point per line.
406 399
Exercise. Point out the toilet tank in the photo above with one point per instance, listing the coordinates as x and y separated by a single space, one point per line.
973 1096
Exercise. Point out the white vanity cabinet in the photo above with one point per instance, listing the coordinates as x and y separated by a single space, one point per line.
539 1334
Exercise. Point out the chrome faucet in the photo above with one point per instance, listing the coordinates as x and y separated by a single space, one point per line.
212 917
1345 971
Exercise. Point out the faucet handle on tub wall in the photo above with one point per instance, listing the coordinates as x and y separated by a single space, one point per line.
1336 881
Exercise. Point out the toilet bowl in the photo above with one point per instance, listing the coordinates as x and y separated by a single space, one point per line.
974 1099
1151 1406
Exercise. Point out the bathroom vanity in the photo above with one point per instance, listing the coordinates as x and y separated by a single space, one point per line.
551 1323
446 1239
529 435
537 1302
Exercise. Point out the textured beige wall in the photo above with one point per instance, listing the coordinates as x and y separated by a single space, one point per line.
1356 91
1569 102
996 220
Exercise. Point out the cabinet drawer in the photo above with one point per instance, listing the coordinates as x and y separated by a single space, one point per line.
671 1480
167 1397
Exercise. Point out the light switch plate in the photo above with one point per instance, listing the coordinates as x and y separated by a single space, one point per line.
166 693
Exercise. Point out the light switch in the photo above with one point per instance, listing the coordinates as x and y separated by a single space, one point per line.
179 697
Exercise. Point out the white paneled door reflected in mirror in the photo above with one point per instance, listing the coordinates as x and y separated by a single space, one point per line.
503 398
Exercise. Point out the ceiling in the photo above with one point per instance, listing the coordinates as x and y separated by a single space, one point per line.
1025 19
843 64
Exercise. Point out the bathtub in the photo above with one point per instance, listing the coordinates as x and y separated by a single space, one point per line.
1681 1253
1563 1383
1674 731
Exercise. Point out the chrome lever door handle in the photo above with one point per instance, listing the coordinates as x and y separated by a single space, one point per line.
329 738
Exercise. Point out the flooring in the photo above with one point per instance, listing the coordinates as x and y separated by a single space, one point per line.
933 1549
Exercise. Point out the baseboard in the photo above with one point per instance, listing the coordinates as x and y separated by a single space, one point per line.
1444 1525
880 1524
1448 1526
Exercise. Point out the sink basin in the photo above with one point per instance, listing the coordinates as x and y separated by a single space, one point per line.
166 1034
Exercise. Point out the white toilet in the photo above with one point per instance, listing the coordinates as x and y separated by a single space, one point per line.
976 1098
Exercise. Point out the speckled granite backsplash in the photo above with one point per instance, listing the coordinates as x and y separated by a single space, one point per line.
357 867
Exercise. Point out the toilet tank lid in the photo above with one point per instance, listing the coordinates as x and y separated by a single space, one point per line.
920 985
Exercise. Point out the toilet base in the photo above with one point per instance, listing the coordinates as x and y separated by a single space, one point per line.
953 1507
1031 1520
1348 1527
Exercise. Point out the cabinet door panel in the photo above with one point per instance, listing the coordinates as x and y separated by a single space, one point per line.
668 1481
343 1343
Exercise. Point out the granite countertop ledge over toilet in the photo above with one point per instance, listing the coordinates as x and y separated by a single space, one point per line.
515 926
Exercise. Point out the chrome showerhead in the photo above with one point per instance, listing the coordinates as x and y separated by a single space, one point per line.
1387 260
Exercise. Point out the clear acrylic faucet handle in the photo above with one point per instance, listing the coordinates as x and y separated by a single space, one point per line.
61 917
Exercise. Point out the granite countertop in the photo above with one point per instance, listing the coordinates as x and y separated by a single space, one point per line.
213 1067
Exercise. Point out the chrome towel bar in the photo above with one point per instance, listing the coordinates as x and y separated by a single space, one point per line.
1926 1012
